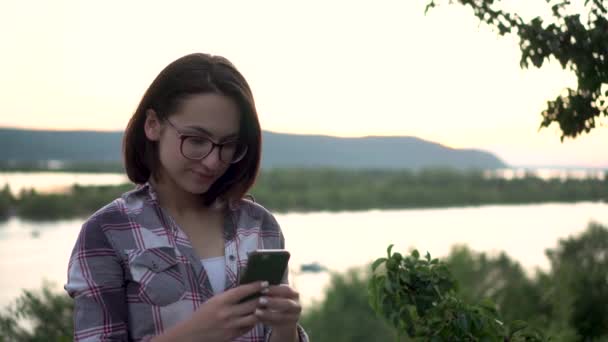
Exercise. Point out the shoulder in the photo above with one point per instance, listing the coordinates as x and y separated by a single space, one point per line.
93 233
112 216
249 210
130 202
254 222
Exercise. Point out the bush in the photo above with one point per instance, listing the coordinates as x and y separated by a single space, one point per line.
345 315
48 315
6 203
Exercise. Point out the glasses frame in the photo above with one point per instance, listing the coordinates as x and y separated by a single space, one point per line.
183 136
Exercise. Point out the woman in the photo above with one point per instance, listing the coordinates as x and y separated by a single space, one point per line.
162 261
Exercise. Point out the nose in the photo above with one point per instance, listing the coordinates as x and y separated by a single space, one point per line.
212 160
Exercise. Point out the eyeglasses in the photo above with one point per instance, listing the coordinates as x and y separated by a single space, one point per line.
196 147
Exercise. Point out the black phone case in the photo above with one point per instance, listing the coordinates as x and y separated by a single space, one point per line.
265 264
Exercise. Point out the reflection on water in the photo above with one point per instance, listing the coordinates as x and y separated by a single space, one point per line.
543 173
335 240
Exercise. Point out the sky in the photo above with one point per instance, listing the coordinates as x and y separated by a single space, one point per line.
340 68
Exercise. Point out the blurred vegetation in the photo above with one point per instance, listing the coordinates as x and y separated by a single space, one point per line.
416 295
80 201
64 166
7 201
284 190
566 302
331 189
345 314
38 317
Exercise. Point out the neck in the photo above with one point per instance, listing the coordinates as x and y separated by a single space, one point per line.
177 201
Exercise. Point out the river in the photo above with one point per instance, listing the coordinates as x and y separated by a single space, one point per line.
31 251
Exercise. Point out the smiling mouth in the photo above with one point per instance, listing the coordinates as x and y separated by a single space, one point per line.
203 175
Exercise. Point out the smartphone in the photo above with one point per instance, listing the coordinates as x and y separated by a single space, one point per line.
265 264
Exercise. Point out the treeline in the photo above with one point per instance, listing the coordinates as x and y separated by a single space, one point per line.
566 302
57 166
330 189
284 190
80 201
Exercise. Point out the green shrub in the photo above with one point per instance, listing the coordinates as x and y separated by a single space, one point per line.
48 317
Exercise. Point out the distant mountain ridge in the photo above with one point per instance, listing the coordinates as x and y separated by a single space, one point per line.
280 150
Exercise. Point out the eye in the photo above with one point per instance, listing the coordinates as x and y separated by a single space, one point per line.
230 144
198 141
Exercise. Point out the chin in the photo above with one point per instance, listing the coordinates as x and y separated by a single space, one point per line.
197 188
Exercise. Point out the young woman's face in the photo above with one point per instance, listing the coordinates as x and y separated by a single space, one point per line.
202 116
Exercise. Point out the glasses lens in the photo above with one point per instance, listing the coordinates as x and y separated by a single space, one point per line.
196 147
233 152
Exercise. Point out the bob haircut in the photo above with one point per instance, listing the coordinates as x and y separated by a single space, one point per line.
194 74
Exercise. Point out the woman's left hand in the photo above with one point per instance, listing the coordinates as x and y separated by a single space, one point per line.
280 308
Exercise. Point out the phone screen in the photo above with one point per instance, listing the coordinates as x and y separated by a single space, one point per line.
265 264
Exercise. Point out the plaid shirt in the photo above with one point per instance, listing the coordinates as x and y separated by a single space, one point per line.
133 272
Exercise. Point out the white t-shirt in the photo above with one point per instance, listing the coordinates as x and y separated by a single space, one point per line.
216 271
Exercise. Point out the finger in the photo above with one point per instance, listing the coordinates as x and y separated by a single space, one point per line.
246 322
283 290
236 294
275 318
245 308
240 332
287 306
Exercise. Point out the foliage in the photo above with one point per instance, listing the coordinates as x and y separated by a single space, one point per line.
578 285
80 201
333 189
345 315
579 46
61 166
416 295
502 279
48 315
6 202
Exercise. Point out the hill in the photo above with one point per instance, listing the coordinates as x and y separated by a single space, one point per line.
280 150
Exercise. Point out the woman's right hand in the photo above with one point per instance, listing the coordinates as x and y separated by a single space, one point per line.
221 318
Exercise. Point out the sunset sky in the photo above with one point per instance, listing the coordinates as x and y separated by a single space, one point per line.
341 68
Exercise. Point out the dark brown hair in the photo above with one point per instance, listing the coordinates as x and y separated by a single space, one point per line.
193 74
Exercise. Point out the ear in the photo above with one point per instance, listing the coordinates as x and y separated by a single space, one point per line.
152 126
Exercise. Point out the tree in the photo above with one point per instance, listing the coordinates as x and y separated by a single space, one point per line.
579 45
345 315
48 317
417 296
6 202
579 283
501 279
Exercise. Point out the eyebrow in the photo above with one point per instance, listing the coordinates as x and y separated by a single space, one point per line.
209 134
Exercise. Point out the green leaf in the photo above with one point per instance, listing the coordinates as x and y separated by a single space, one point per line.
463 323
437 291
388 286
488 305
389 249
405 277
397 256
415 254
517 326
436 339
377 263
